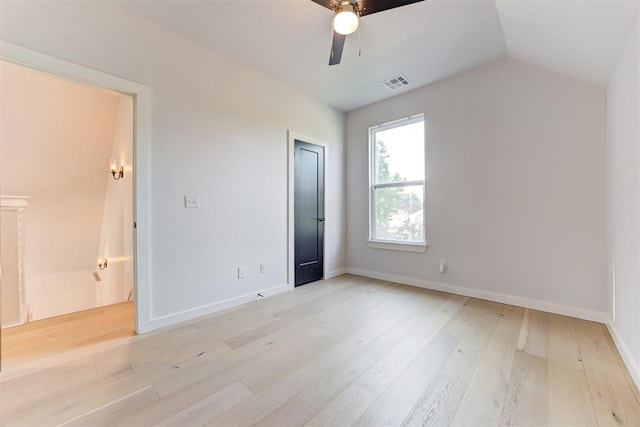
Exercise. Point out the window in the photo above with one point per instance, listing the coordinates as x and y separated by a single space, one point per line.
397 159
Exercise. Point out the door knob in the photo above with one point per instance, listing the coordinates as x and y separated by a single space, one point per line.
321 219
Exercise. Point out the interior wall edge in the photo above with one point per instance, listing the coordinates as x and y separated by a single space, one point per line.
335 273
205 310
549 307
625 353
142 139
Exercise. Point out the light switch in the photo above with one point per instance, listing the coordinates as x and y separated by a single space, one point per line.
191 201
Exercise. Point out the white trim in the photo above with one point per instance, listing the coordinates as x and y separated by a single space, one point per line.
398 246
142 136
183 316
291 138
335 273
595 316
402 120
625 353
18 204
565 310
373 186
399 184
14 202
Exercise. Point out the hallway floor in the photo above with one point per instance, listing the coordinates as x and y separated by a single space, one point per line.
46 337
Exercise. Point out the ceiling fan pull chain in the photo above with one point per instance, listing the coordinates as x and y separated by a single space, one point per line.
359 44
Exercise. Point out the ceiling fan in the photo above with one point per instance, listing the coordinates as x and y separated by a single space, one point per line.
345 18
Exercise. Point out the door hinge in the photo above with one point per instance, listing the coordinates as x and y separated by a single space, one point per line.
135 225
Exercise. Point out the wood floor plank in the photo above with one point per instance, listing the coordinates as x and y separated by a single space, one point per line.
398 399
440 400
569 398
303 406
438 404
482 403
345 351
67 408
314 368
255 409
463 363
268 357
300 311
182 402
210 407
32 398
632 385
44 337
117 410
415 309
347 407
536 343
613 402
273 361
365 321
526 397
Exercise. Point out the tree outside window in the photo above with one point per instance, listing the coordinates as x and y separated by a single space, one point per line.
397 181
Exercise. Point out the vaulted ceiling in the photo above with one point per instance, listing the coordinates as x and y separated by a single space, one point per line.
427 41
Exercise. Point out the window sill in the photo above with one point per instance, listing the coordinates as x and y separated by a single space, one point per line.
398 246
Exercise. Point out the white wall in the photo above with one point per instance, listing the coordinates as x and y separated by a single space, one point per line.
10 257
515 189
57 293
56 140
218 131
623 202
116 243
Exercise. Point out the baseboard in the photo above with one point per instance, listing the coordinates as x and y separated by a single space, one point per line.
22 323
627 358
564 310
335 273
182 316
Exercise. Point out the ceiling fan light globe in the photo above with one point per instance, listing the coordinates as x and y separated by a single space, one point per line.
345 22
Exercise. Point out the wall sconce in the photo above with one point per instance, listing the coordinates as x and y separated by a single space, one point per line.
115 172
102 263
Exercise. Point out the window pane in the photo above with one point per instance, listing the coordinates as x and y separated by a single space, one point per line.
399 213
400 153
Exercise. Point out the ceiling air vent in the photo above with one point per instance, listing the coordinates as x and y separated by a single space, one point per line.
396 82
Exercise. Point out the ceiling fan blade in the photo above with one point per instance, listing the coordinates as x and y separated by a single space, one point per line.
329 4
336 48
367 7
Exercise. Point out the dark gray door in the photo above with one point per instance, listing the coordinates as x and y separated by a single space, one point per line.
309 212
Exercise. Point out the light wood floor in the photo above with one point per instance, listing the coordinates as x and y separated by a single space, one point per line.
348 351
46 337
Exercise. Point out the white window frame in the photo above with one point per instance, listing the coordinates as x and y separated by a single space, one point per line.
394 244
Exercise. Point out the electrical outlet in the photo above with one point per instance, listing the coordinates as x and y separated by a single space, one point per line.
242 272
263 268
443 265
191 201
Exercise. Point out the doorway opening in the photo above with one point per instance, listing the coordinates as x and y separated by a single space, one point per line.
68 247
76 230
307 222
308 212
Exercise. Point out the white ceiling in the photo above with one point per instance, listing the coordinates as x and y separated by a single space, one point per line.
428 41
574 37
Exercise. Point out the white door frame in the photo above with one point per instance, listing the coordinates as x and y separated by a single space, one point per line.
291 138
141 137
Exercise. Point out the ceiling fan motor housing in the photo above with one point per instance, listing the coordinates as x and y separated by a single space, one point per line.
345 18
352 10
